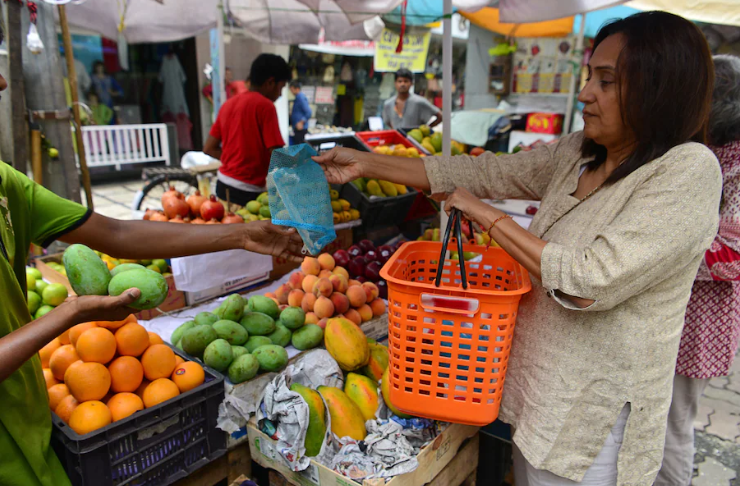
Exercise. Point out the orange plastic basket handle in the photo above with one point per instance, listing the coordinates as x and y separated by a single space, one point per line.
453 305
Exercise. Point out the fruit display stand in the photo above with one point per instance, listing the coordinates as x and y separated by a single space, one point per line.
419 146
379 211
175 299
155 446
449 460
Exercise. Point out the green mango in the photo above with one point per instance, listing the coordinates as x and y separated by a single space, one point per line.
177 333
243 368
231 331
196 339
153 287
271 357
206 318
87 273
265 305
281 335
307 337
232 308
218 355
293 318
124 267
258 324
237 351
255 342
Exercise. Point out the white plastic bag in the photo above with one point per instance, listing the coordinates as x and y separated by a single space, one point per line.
33 40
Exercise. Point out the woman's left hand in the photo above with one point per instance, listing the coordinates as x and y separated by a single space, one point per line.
472 208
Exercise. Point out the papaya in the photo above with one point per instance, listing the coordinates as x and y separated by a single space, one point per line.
388 188
346 418
152 285
385 390
378 362
265 305
364 392
231 309
316 419
347 344
87 273
231 331
258 324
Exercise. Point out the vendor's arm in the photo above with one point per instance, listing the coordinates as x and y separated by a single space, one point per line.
20 345
525 175
212 147
147 239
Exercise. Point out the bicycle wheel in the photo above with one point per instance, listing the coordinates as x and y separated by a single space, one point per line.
150 196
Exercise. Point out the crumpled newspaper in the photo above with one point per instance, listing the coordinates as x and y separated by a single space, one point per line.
284 415
385 452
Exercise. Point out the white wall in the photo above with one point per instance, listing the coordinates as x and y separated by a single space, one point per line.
476 69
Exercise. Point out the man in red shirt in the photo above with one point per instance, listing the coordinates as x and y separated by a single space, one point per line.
246 132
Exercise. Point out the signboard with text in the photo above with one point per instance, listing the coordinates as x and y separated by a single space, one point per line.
413 56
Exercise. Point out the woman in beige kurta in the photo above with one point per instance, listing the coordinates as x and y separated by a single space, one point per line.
628 208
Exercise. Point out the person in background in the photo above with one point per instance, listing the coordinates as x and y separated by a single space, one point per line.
246 132
105 85
233 88
29 213
101 114
300 114
710 335
83 79
406 109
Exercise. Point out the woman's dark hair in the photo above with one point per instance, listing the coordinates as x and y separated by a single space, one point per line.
664 83
724 118
268 66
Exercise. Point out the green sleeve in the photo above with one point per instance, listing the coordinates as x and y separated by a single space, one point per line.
51 216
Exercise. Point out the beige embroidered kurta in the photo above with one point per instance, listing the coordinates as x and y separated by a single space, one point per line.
634 247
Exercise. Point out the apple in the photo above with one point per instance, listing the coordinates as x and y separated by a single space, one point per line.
385 251
366 245
371 256
355 251
372 271
361 279
342 258
383 288
356 267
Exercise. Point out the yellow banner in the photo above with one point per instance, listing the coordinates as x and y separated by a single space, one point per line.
413 56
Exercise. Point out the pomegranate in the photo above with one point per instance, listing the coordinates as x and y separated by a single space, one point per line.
232 218
148 214
175 205
195 201
171 192
158 216
178 219
198 220
212 209
214 221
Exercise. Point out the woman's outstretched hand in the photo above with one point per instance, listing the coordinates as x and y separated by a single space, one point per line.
340 165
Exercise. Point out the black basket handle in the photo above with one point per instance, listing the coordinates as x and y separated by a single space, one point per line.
455 217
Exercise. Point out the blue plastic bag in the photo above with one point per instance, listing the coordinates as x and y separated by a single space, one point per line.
299 196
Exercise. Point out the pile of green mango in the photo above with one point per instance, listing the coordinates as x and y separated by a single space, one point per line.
241 338
88 274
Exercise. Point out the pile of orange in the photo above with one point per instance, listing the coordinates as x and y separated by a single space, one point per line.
99 372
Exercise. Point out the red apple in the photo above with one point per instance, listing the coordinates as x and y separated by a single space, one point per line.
371 256
356 267
366 245
355 251
385 251
342 258
372 271
383 288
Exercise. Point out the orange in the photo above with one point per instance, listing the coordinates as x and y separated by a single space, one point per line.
122 405
154 338
89 416
113 325
66 407
158 361
46 351
56 393
49 378
88 381
72 366
159 391
178 360
64 338
76 331
61 359
132 339
188 376
97 345
126 374
144 384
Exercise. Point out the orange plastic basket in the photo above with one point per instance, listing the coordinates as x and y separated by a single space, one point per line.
449 347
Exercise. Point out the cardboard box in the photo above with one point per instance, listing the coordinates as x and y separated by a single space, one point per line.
175 299
545 123
432 460
236 285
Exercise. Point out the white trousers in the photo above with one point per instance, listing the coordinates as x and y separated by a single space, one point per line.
678 455
603 471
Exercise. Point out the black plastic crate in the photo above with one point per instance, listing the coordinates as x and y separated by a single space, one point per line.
325 144
155 446
381 211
